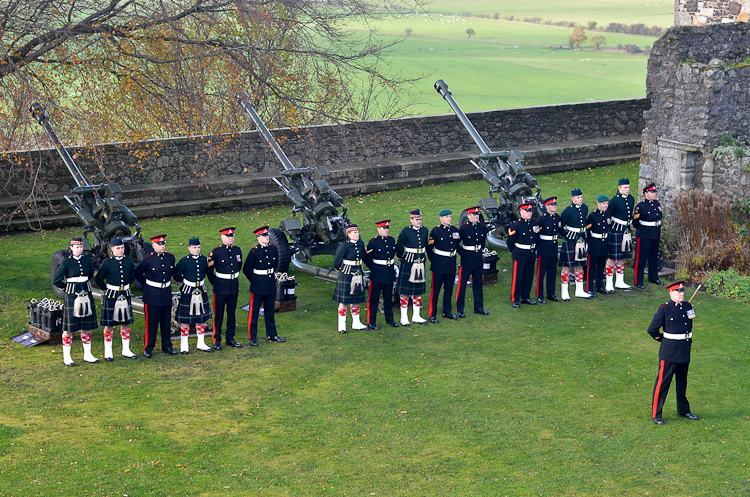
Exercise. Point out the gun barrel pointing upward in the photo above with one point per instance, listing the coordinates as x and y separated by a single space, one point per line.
442 88
244 101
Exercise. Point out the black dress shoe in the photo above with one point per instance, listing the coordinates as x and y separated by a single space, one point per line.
169 351
373 326
657 282
147 355
434 320
553 298
109 359
253 343
450 316
529 301
516 305
690 416
658 421
276 338
609 292
601 290
217 346
541 300
640 286
234 344
460 315
340 331
393 323
481 312
593 294
185 352
71 365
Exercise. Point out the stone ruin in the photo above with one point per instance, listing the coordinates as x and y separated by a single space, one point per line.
695 13
699 85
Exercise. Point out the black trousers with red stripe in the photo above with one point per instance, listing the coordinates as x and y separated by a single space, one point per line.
595 278
546 272
230 303
158 316
646 251
476 275
444 282
376 289
661 388
523 277
268 301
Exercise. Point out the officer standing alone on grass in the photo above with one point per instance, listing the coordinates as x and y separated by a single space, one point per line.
442 249
521 243
647 223
379 257
260 268
473 235
224 267
676 318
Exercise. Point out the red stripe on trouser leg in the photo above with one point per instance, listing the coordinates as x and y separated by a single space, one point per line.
657 389
564 278
67 341
369 295
200 328
145 312
355 309
417 299
342 311
404 301
184 329
125 333
213 324
538 274
513 284
579 275
432 292
637 254
249 318
610 270
460 271
108 335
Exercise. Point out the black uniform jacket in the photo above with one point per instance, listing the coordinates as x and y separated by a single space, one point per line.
446 239
597 227
649 211
191 268
156 268
73 268
574 216
673 318
264 259
118 271
472 235
412 238
621 207
383 249
549 225
225 260
522 232
349 251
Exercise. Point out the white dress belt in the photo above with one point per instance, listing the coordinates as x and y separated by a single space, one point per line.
550 238
191 284
117 288
383 262
525 247
678 336
414 250
597 235
574 230
620 221
445 253
475 248
158 285
229 276
650 223
264 272
352 263
77 279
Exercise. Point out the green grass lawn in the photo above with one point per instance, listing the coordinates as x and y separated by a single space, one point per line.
550 400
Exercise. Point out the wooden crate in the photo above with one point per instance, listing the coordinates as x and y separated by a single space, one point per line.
285 305
53 338
489 278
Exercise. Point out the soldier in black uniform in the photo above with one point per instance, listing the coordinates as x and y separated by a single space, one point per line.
647 222
521 242
410 248
473 235
676 318
193 308
350 289
74 275
573 251
597 230
114 277
546 249
260 268
154 273
621 207
379 257
224 267
442 248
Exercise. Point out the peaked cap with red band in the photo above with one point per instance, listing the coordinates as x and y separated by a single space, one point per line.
473 210
527 206
651 187
678 285
383 223
549 200
159 239
263 230
227 231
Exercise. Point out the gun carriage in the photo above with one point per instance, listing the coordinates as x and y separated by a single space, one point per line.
505 172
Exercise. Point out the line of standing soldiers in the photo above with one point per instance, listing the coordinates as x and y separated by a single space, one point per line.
155 274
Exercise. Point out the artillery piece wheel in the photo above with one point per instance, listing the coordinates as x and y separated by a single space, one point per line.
57 259
278 238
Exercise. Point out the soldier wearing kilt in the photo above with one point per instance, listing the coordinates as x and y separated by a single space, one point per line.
74 275
647 222
473 237
546 249
260 268
350 289
676 318
621 207
379 257
193 308
411 247
224 267
114 277
521 242
573 250
442 249
597 230
154 273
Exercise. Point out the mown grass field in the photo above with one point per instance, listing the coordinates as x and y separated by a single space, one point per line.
550 400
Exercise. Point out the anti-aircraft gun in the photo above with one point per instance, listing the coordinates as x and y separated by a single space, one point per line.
316 227
505 173
98 207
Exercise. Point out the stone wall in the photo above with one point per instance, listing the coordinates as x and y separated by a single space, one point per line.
698 80
695 13
196 158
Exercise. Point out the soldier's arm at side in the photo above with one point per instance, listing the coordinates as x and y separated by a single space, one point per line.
140 272
369 250
339 257
179 271
247 269
656 323
430 249
400 243
103 269
512 236
210 268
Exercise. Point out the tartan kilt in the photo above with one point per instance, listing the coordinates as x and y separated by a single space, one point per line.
615 246
342 293
183 309
568 254
406 287
72 323
108 311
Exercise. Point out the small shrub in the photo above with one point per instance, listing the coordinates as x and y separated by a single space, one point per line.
729 284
